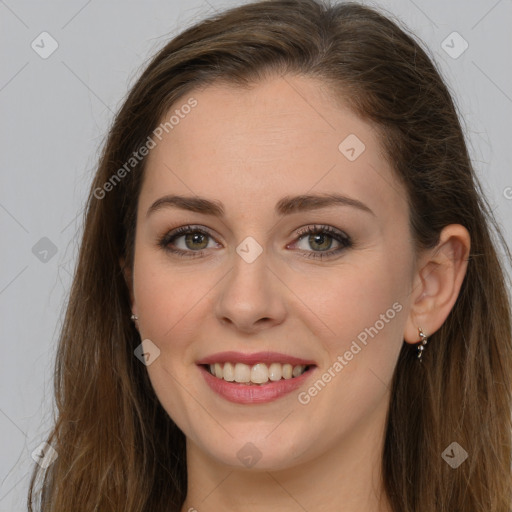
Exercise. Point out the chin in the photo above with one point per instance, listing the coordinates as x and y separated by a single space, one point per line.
255 452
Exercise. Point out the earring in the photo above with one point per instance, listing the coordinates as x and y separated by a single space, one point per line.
423 342
134 318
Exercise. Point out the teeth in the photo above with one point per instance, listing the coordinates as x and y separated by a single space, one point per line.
297 371
287 371
257 374
242 373
229 372
275 371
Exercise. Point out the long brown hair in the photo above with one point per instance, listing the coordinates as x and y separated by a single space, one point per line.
117 447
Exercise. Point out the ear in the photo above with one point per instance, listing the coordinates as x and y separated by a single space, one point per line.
437 282
128 278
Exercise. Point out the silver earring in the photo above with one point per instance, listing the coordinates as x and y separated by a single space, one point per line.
134 318
423 342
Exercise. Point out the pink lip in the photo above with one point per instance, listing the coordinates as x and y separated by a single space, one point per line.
252 359
253 394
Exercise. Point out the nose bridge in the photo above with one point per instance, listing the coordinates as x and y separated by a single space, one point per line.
248 282
249 293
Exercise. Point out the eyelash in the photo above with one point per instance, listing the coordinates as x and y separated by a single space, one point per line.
343 239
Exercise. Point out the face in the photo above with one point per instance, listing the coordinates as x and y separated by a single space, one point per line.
265 284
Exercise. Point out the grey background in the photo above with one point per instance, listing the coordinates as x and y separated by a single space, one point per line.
55 113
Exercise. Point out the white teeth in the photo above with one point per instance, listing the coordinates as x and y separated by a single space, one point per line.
229 372
287 371
275 372
242 372
257 374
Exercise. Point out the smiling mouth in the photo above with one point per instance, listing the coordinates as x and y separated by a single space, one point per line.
256 374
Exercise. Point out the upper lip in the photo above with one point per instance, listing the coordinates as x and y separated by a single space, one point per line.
255 358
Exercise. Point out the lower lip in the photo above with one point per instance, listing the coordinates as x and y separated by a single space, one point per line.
253 394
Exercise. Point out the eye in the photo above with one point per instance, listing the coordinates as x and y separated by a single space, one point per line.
195 241
192 241
321 238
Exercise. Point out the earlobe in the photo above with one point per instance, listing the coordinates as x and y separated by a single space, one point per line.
438 282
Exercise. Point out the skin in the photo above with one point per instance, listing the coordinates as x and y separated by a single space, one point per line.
248 149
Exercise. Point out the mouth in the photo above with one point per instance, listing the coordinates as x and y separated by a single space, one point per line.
255 378
257 374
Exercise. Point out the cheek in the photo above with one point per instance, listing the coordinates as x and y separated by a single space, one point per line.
363 309
158 295
170 300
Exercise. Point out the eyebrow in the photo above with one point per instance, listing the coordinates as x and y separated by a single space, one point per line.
285 206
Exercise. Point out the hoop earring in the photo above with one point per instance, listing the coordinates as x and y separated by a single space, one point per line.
422 344
134 318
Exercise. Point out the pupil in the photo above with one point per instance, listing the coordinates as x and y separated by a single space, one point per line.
195 238
320 240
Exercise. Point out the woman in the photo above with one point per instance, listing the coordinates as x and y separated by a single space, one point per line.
288 295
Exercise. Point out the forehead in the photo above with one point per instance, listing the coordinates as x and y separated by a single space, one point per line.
285 135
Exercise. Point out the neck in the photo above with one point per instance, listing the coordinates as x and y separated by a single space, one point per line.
346 478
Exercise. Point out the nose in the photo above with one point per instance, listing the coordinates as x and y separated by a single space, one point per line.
251 297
